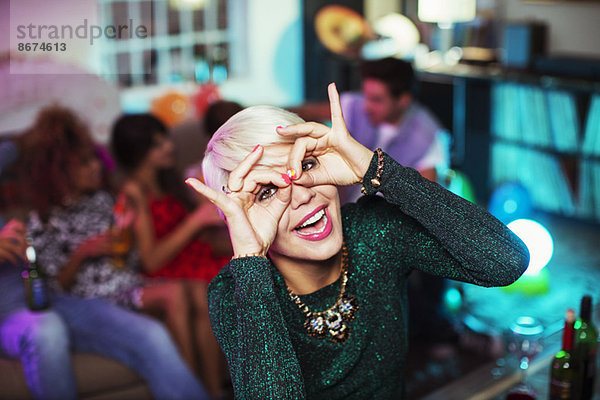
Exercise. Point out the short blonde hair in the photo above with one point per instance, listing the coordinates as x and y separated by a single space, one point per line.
237 137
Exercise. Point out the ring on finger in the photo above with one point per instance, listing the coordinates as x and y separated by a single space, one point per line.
227 190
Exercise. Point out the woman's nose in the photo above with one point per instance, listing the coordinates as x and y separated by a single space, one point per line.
301 195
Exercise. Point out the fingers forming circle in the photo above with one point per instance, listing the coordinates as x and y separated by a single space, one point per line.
302 146
258 178
236 177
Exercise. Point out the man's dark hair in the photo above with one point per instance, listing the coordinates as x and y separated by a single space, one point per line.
397 74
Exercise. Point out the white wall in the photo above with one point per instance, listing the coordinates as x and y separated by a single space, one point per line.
574 27
271 70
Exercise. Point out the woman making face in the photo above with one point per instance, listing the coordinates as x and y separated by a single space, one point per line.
313 303
310 227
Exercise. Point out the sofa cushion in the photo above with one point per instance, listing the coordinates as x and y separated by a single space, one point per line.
96 376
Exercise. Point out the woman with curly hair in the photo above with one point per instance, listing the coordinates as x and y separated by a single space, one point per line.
69 228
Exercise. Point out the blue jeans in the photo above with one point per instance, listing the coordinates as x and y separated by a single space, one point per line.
43 341
140 342
39 339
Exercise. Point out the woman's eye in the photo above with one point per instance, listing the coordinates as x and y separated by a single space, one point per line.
309 164
267 192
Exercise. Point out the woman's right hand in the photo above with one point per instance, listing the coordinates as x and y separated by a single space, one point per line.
96 246
254 205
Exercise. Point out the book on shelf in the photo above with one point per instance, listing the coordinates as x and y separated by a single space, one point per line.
539 172
562 109
535 116
591 140
589 190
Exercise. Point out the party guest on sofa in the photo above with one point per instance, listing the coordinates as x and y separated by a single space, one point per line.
68 227
166 230
38 339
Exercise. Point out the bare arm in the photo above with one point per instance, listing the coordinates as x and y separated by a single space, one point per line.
95 246
155 253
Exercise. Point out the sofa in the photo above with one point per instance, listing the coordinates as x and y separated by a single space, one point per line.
97 378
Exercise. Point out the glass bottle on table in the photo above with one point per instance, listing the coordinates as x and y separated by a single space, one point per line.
586 347
564 371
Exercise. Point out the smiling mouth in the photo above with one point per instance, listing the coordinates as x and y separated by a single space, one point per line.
314 225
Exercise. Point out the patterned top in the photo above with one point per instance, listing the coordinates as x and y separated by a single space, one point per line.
418 225
65 230
196 260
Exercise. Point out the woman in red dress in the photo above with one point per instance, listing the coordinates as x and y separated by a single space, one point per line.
166 230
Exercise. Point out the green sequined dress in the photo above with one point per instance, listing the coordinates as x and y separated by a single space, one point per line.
417 225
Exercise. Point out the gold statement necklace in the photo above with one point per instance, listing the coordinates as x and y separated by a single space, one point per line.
332 322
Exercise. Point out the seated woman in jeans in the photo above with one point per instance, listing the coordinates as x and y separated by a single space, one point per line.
39 339
67 230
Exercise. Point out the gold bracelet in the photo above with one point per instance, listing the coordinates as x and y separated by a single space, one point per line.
376 182
249 255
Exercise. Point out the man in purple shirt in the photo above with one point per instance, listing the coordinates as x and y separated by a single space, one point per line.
386 115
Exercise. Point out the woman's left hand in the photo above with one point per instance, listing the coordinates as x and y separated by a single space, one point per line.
343 161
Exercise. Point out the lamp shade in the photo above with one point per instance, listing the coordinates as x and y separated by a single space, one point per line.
446 11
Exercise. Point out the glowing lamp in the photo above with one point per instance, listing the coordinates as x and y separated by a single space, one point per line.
538 242
510 201
446 11
453 300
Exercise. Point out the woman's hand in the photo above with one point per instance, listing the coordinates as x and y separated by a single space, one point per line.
12 242
343 161
96 246
254 206
133 194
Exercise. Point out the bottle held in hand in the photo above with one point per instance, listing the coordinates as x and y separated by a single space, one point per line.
36 291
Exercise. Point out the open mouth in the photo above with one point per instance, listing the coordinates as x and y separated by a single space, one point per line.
316 226
313 225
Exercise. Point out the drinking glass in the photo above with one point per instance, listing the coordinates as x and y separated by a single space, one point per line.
120 245
524 343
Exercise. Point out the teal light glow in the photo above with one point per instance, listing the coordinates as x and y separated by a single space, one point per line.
538 241
453 299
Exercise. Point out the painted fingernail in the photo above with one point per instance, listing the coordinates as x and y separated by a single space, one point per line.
255 148
280 127
190 182
286 179
291 173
